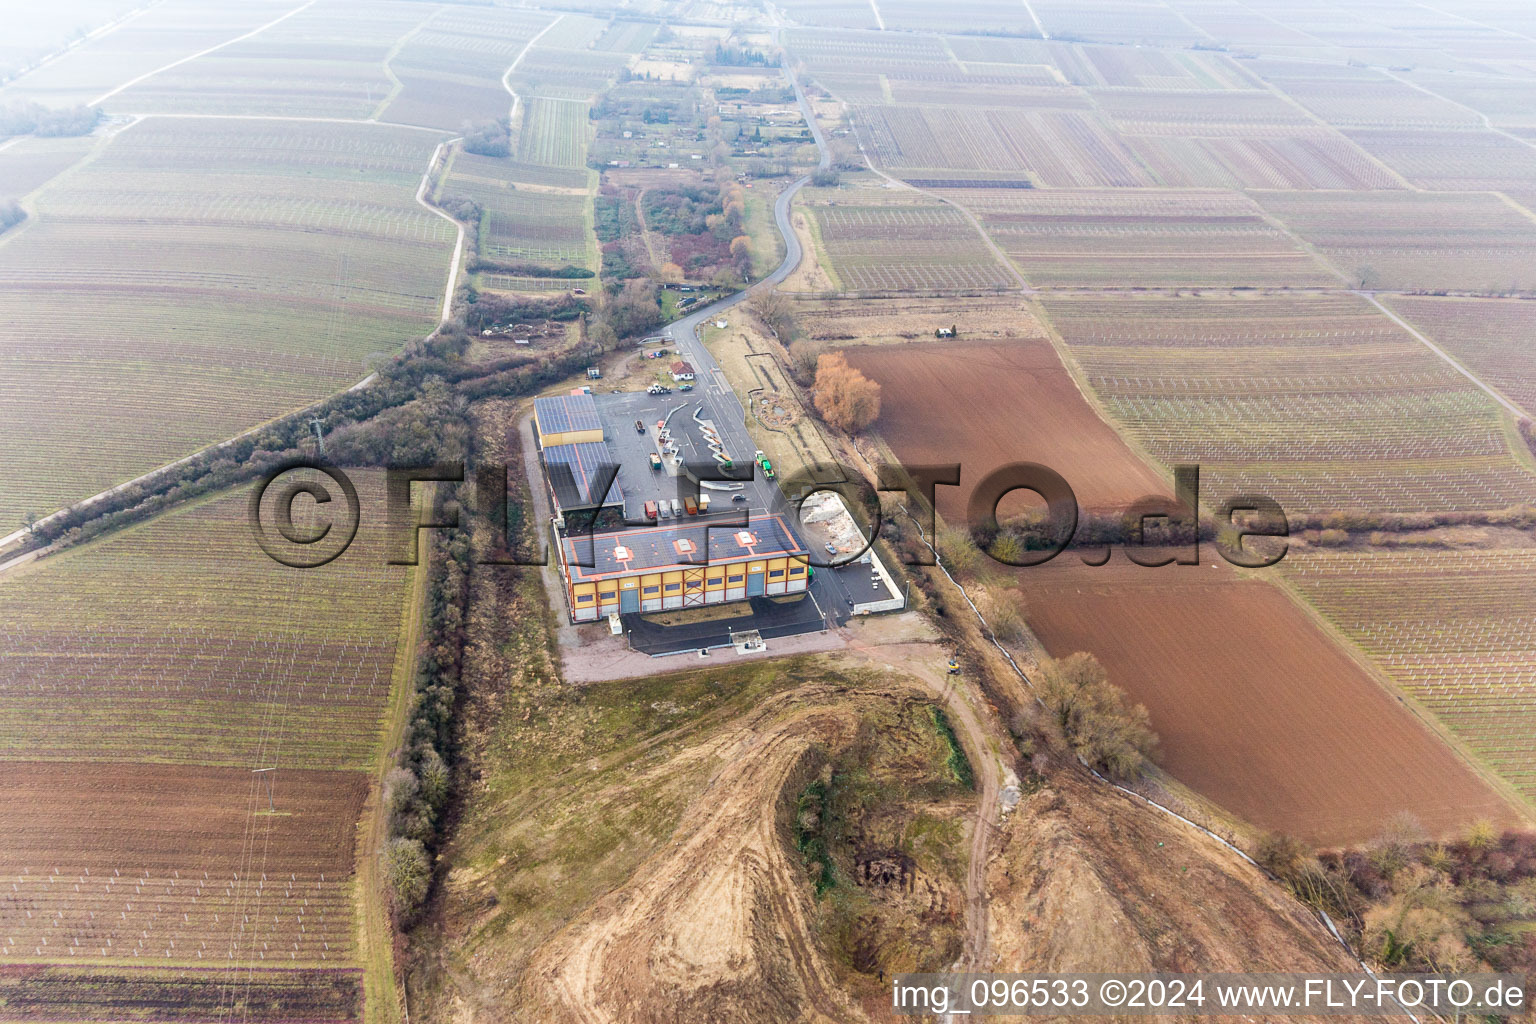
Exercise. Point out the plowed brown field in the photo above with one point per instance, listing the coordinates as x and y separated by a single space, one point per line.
161 864
988 405
1257 708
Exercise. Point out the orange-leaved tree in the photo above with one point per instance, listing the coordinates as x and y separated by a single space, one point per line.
846 398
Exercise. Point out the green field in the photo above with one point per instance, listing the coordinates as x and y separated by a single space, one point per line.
180 641
907 243
142 677
1318 401
522 222
554 133
230 270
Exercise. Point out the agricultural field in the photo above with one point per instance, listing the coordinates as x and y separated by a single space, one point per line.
179 642
1415 241
166 32
870 53
142 677
567 74
1450 161
1454 629
1275 722
519 223
1199 113
1299 160
1375 103
988 404
1319 401
233 270
991 16
843 321
903 247
1059 148
1490 337
832 13
328 60
1256 707
451 70
553 133
1116 21
60 992
1508 102
1139 238
36 31
1138 68
30 163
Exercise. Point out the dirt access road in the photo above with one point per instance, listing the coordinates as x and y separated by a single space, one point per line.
996 786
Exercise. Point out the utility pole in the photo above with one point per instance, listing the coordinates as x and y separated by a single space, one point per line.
258 771
314 424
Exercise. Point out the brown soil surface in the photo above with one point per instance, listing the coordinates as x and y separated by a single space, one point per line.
169 864
1257 708
171 817
988 405
1088 879
715 925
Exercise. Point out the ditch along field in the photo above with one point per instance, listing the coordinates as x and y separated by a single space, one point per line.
229 271
1318 401
902 246
1258 709
1454 629
1415 241
1140 238
142 677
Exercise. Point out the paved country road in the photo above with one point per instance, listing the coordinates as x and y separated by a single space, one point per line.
714 391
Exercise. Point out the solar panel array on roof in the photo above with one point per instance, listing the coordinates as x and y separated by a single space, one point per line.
574 470
561 414
646 549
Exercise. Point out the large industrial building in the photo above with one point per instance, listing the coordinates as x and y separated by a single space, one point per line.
704 557
690 564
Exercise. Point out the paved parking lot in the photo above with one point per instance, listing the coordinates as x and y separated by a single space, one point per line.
633 447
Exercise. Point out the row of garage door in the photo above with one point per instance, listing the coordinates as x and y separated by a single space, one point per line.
687 588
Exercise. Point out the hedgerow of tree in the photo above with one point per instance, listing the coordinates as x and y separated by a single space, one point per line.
1414 903
1093 715
11 214
35 119
489 138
